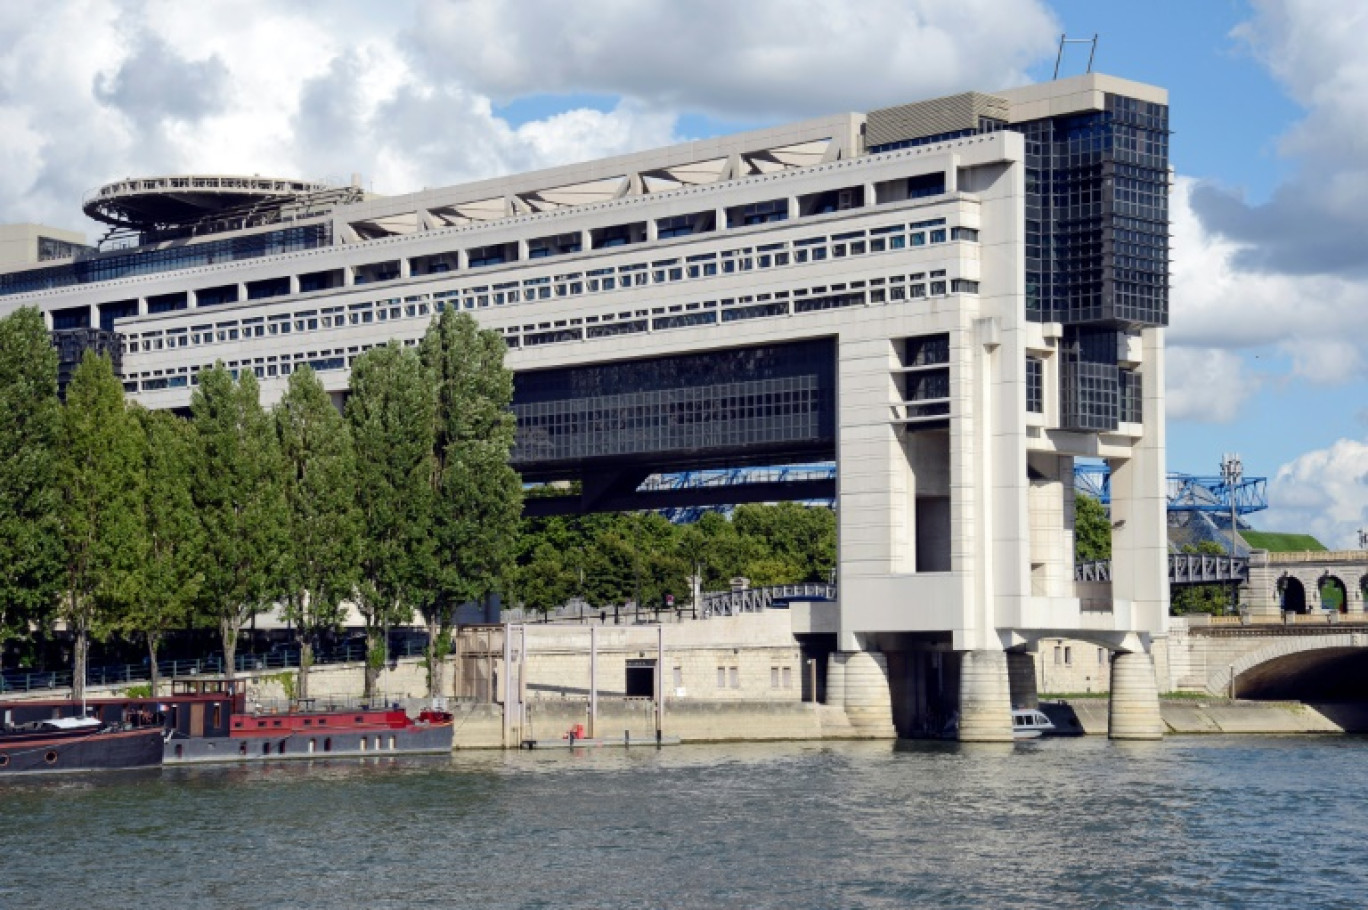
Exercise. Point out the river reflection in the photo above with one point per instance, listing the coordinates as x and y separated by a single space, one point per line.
1189 822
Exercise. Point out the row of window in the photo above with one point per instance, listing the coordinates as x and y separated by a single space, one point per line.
704 265
268 367
310 320
870 292
730 677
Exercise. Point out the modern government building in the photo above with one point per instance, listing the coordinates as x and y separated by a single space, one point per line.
951 299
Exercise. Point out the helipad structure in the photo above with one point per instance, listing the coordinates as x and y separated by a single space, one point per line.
952 299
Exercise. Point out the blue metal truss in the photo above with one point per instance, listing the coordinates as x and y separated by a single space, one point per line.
1186 492
726 477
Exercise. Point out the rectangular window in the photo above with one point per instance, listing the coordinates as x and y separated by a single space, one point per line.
721 677
736 677
1068 656
774 677
788 677
1035 385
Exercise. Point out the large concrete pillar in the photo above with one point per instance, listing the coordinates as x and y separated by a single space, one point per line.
835 680
868 704
1021 680
985 714
1134 711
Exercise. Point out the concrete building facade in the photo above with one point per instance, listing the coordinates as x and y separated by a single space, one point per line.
952 299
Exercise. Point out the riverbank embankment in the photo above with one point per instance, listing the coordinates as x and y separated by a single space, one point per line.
1184 716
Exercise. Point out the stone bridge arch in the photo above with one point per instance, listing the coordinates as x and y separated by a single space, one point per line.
1272 670
1293 582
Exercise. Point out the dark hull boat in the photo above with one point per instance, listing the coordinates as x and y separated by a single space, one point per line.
76 744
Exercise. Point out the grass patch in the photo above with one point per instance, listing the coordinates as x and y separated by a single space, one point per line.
1275 542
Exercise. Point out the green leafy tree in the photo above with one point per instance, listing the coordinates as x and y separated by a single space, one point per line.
1092 530
1212 599
30 422
391 413
477 496
323 542
786 543
101 479
169 577
545 579
239 496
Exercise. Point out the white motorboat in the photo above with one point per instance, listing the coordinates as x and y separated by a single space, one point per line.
1028 723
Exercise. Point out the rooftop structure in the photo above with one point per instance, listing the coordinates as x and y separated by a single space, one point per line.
952 300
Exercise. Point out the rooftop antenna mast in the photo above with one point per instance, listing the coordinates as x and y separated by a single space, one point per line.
1065 39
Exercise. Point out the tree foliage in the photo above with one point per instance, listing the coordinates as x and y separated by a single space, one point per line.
101 481
1092 530
30 420
239 495
169 575
318 480
477 497
606 558
391 413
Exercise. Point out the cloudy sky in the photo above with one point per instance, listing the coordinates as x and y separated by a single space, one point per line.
1269 340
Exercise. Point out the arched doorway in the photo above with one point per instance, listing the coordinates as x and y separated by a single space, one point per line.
1333 595
1291 594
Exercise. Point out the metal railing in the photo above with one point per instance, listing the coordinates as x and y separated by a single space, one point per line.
119 674
752 600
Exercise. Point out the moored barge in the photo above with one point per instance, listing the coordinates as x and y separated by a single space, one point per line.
208 720
74 743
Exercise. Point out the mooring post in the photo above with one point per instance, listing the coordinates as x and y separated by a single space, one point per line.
593 682
660 682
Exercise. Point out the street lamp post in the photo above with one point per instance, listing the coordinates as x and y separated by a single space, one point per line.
1231 472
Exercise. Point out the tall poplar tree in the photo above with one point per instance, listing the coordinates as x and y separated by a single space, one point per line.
322 547
237 491
478 497
100 478
30 420
391 413
170 575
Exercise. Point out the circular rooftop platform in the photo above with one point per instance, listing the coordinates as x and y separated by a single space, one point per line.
145 203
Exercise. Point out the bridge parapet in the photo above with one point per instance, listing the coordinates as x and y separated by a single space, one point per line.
1315 557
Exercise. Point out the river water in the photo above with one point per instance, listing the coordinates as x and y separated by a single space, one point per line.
1189 822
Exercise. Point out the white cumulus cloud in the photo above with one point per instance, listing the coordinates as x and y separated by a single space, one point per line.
1323 493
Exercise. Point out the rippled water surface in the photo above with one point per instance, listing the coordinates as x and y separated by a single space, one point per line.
1190 822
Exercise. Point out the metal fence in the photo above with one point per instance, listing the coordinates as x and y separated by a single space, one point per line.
132 674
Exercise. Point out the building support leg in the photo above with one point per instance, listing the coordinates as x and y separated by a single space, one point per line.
985 714
1134 711
835 679
868 702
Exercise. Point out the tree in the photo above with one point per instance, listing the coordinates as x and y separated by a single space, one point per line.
477 496
391 413
544 579
787 543
30 420
169 577
323 544
100 476
238 493
1092 530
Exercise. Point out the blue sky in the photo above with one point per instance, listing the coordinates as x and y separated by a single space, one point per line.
1269 103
